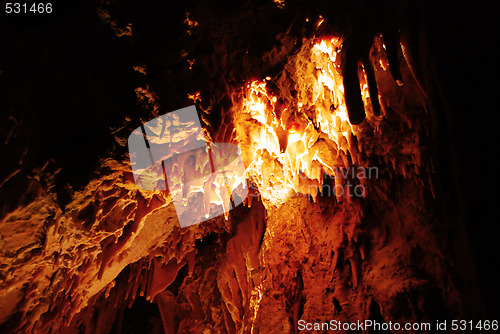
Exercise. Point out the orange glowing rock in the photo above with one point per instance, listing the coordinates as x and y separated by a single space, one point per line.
294 127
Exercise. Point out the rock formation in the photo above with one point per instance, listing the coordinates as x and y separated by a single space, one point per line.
368 164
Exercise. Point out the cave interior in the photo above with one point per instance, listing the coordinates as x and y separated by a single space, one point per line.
368 135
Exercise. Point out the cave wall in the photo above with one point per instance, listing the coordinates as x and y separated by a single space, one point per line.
84 250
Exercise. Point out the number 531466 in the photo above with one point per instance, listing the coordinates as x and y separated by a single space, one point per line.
25 8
